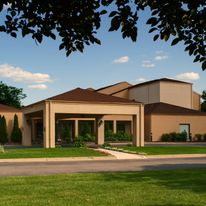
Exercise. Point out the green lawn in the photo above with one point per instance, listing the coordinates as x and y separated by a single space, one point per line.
174 188
165 150
41 152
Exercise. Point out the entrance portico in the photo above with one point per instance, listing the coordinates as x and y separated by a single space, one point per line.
82 103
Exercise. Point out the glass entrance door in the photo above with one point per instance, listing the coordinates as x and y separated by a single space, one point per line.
185 128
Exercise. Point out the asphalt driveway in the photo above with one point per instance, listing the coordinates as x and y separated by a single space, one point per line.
46 168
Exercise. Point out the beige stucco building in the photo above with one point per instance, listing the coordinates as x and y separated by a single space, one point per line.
80 105
9 112
170 106
161 118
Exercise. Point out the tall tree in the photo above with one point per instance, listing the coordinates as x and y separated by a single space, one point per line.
3 131
16 135
11 96
77 22
203 104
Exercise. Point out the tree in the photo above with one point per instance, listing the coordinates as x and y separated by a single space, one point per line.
77 22
203 104
16 135
11 96
3 131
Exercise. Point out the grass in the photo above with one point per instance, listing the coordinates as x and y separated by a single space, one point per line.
41 153
174 188
166 150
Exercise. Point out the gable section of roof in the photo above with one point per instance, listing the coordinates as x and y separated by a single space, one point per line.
84 95
120 91
160 80
112 85
6 108
164 108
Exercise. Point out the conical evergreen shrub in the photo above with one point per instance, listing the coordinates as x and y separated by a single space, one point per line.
3 131
16 135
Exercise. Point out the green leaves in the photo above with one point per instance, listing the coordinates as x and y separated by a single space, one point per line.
204 65
13 34
77 22
156 37
153 21
175 41
115 23
11 96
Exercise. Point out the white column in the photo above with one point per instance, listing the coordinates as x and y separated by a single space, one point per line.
138 128
46 130
114 126
52 126
100 130
26 134
76 128
141 126
135 138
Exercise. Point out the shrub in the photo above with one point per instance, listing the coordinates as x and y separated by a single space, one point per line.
123 136
88 138
79 142
109 135
165 137
174 137
204 137
119 136
182 137
198 137
3 130
106 144
16 135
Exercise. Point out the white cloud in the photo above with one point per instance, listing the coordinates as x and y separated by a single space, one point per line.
141 79
121 60
38 86
147 64
20 75
188 76
160 55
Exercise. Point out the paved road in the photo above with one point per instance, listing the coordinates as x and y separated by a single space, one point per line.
45 168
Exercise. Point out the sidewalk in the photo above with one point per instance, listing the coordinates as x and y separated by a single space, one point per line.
121 155
57 159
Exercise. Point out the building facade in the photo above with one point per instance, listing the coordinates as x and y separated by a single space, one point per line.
81 105
146 111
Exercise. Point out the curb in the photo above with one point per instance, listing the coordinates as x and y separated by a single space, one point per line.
58 159
174 156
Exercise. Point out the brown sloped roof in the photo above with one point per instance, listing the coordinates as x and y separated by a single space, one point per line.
158 80
85 95
6 108
164 108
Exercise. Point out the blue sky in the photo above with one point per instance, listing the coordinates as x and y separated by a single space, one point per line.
43 71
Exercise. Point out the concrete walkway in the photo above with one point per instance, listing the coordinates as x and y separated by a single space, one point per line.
112 155
121 155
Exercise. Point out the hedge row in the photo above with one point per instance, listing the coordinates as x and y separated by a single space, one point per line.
200 137
174 137
119 136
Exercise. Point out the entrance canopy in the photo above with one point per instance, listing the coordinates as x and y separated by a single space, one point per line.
80 103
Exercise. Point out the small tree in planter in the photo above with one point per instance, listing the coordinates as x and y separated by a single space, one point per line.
16 135
3 131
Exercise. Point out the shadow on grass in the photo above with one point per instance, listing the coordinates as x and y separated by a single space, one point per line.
193 180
